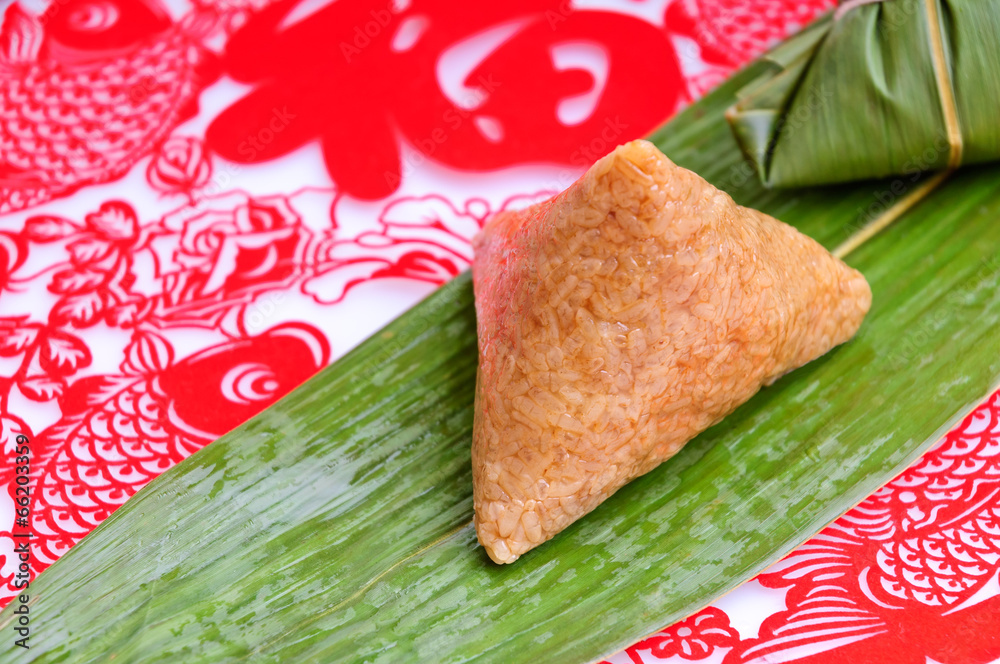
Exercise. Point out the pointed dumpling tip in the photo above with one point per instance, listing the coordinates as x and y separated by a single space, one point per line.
638 160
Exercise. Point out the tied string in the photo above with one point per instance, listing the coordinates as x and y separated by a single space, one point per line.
946 89
949 110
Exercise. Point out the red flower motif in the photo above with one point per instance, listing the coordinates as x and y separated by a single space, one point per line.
426 238
554 85
691 639
16 335
58 355
42 388
62 354
148 353
231 247
114 220
98 276
49 228
180 166
11 427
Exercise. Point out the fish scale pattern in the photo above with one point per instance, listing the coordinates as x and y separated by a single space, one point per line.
63 126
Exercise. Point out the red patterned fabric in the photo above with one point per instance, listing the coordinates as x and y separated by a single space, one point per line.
202 204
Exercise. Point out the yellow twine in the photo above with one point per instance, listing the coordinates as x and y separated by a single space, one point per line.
953 130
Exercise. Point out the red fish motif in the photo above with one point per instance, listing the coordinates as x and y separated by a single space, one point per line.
120 431
909 574
86 89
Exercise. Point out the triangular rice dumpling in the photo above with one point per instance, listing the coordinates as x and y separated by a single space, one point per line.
618 320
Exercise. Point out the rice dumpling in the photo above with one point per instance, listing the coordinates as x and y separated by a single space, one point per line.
619 319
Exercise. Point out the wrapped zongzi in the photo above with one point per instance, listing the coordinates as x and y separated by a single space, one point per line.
879 88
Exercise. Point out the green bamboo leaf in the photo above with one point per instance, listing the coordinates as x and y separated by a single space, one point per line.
868 84
335 526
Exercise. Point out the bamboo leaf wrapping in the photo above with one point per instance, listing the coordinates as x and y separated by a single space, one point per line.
857 96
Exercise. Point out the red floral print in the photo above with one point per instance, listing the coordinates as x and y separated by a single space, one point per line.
230 247
692 639
96 279
425 238
13 253
179 166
